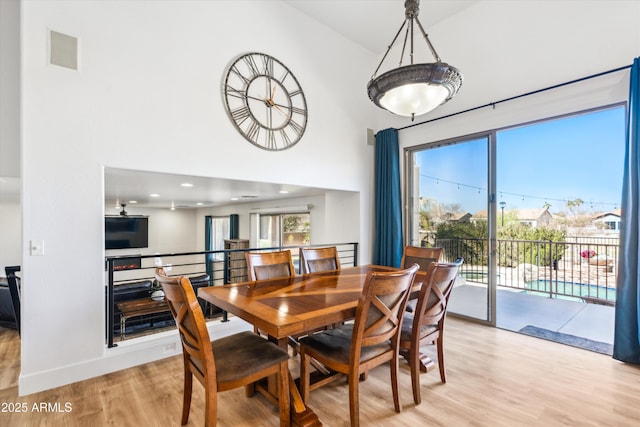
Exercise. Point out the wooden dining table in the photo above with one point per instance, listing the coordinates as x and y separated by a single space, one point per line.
287 307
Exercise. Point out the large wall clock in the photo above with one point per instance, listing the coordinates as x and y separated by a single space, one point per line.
265 101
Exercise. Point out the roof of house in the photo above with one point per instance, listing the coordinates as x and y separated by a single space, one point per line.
457 216
521 214
615 212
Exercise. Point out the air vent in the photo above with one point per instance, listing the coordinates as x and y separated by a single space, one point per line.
63 50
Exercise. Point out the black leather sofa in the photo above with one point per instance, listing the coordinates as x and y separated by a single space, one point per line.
7 318
10 298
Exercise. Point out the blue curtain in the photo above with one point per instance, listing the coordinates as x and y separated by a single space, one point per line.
626 344
234 226
388 244
208 246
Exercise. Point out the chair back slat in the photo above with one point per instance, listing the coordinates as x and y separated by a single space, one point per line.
315 260
421 256
269 265
435 292
186 310
381 307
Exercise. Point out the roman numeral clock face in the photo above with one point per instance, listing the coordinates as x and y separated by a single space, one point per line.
265 102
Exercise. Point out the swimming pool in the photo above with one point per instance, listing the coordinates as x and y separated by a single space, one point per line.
571 289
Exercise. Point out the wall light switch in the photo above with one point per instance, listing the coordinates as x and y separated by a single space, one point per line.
36 247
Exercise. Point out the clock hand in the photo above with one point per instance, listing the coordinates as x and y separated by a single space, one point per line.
269 102
277 107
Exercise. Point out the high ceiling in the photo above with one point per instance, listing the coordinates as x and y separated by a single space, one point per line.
373 23
369 23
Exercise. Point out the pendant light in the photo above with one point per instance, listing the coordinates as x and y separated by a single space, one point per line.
414 89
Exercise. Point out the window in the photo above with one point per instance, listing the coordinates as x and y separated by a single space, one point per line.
611 225
557 179
283 229
565 171
219 233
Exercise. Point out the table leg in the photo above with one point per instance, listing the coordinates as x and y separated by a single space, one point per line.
426 364
301 414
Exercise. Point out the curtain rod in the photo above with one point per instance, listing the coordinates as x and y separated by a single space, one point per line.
493 104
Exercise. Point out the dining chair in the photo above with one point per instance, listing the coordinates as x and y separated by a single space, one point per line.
269 265
273 265
426 324
423 257
230 362
315 260
371 340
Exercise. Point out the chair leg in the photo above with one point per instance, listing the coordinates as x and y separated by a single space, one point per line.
395 362
414 364
354 400
284 397
210 407
186 397
440 347
250 390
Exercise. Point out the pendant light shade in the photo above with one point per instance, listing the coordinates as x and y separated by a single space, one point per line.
414 89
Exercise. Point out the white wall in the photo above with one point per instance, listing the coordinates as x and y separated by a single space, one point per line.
10 88
10 227
147 97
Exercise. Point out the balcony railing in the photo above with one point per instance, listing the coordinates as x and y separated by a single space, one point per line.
578 268
130 282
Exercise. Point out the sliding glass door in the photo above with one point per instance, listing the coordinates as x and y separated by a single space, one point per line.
534 210
450 209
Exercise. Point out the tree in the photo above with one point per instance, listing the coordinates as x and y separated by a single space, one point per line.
539 245
290 223
574 205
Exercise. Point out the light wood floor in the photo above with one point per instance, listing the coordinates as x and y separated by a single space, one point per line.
495 378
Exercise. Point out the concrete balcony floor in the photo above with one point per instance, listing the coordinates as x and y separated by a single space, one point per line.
516 309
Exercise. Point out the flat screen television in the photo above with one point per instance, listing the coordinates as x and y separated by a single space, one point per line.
122 232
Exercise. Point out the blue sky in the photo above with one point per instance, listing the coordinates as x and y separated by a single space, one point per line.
555 161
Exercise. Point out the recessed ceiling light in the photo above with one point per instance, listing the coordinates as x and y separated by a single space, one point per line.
186 184
234 198
154 195
133 201
199 204
284 192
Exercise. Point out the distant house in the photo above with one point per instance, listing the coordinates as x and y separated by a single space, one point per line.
609 220
452 217
458 217
480 216
533 217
